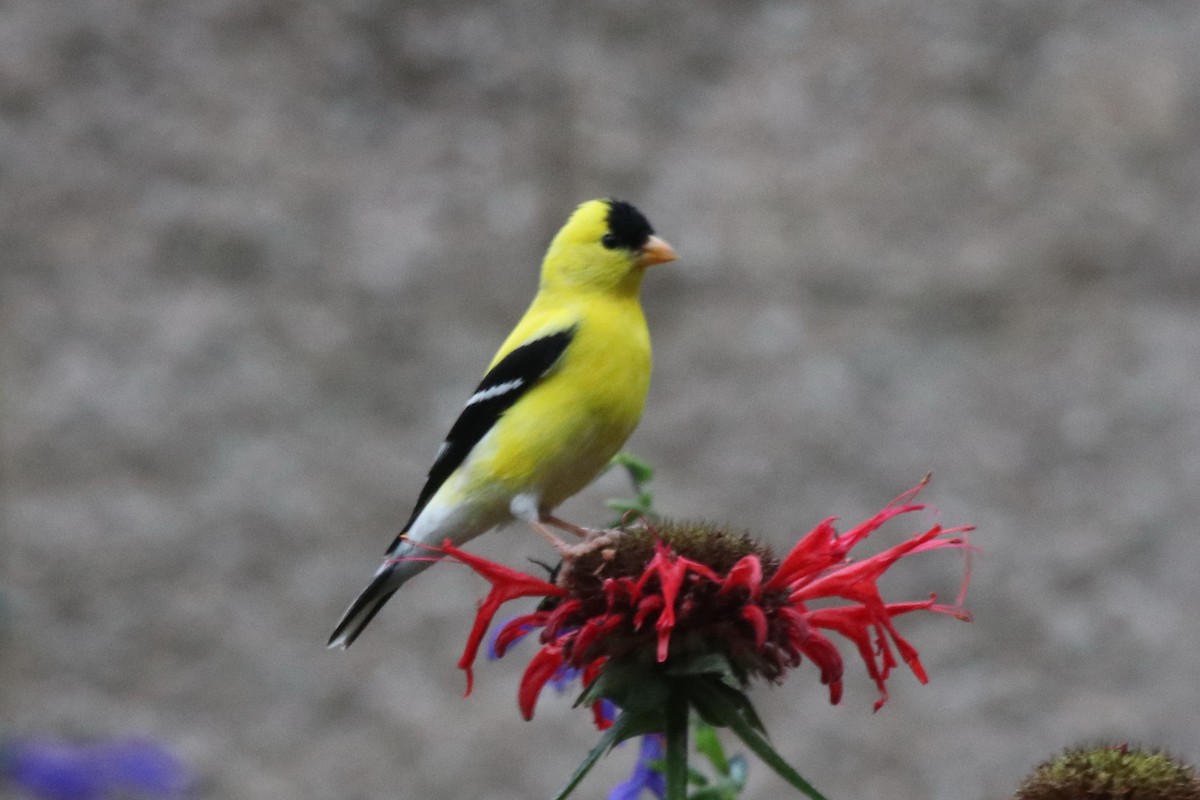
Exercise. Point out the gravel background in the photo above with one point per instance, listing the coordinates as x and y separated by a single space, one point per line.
255 254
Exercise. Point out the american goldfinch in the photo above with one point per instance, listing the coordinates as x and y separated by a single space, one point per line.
561 396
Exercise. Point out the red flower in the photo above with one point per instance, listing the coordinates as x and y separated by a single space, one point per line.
671 593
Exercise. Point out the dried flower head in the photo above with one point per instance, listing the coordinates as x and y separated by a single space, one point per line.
1111 772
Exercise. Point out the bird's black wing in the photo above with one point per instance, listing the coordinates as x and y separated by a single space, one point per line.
504 385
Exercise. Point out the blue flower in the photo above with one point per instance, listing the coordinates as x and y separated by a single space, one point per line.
645 778
125 768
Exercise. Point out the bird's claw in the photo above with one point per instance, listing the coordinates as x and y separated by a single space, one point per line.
569 527
595 540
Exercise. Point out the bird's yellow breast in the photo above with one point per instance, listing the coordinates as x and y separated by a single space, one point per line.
565 429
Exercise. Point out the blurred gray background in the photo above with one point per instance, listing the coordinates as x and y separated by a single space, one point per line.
256 253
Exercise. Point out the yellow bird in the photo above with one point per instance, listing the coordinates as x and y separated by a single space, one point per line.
563 393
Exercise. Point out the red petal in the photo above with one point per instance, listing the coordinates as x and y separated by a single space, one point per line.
593 630
758 621
856 624
509 581
670 576
616 589
747 572
856 581
700 569
823 548
602 722
592 671
560 618
671 570
813 553
861 638
647 606
507 584
817 648
516 629
586 676
852 537
540 670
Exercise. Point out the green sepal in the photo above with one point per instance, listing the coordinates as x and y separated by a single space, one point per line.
706 664
631 685
639 690
741 702
623 681
710 685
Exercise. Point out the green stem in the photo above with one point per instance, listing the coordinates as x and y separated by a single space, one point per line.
677 745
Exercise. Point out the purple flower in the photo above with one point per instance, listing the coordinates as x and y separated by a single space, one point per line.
125 768
645 778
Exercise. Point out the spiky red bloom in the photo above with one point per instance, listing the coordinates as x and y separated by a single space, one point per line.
671 593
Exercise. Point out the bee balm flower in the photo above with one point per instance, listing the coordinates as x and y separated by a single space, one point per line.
693 612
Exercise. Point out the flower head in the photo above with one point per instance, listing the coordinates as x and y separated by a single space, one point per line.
1119 772
674 594
662 619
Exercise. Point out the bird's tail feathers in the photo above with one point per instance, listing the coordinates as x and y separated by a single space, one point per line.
406 557
405 560
364 608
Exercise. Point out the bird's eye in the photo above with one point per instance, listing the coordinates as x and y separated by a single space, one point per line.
609 241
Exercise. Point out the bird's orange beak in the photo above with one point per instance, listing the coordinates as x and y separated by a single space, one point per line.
656 251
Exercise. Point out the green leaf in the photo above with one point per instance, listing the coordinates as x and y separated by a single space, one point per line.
623 507
728 787
720 707
639 471
709 746
606 743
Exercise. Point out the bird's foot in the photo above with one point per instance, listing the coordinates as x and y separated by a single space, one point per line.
592 539
596 540
541 530
569 527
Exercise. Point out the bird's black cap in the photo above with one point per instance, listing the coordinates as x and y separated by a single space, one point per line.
627 228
